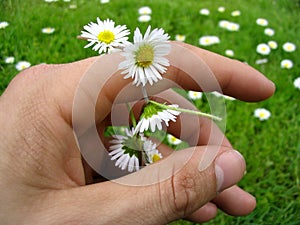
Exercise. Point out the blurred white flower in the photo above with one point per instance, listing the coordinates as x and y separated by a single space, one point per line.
9 60
152 155
261 61
223 23
262 22
48 30
229 25
269 32
67 0
236 13
145 10
297 83
22 65
273 44
262 113
204 12
173 140
104 1
263 49
73 6
144 18
221 9
180 37
286 64
209 40
195 95
289 47
229 52
3 24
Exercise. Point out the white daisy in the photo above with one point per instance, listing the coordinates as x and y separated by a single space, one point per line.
273 44
152 155
230 26
297 83
262 114
48 30
105 36
236 13
195 95
9 60
262 22
173 140
289 47
144 18
125 150
73 6
263 49
224 24
104 1
22 65
145 59
229 52
180 37
286 64
153 117
209 40
269 32
3 24
145 10
221 9
204 12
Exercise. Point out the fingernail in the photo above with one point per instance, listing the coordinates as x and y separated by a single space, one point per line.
229 169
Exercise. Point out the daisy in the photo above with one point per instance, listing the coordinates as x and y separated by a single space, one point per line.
229 52
153 117
262 114
209 40
22 65
262 22
194 95
235 13
9 60
104 1
179 37
263 49
145 58
204 12
224 24
144 18
105 36
221 9
152 155
48 30
297 83
289 47
273 44
125 150
269 32
173 140
72 6
286 64
233 27
3 24
145 10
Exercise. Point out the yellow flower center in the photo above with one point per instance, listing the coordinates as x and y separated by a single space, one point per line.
144 56
106 36
155 158
262 115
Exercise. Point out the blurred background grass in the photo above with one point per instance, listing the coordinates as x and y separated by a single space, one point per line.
271 148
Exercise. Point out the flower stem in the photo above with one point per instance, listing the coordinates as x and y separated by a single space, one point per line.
131 115
186 110
145 94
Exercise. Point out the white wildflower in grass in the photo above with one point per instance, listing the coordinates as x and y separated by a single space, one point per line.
269 32
145 60
180 37
67 0
224 24
144 18
204 12
173 140
261 61
145 10
209 40
262 114
3 24
297 83
289 47
229 52
152 155
73 6
48 30
230 26
9 60
22 65
286 64
195 95
262 22
154 116
263 49
104 1
125 150
221 9
235 13
273 44
105 36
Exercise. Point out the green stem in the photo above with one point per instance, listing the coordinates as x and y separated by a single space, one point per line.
131 115
186 110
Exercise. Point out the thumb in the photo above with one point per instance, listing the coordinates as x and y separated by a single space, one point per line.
168 190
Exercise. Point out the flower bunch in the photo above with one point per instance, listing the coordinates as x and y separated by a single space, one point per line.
145 63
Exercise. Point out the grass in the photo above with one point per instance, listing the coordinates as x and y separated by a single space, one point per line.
271 148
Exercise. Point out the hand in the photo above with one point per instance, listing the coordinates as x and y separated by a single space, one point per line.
42 177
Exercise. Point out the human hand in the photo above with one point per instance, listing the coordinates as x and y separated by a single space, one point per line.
42 174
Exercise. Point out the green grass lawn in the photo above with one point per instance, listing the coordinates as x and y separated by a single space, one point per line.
271 147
